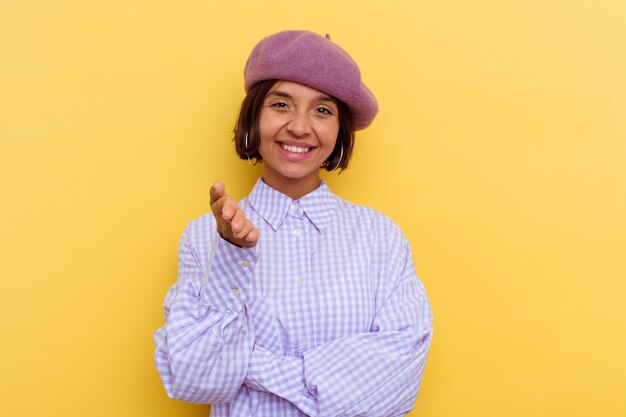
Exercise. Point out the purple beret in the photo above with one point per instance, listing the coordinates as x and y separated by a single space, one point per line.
313 60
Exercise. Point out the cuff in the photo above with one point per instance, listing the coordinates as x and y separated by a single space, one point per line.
229 274
282 376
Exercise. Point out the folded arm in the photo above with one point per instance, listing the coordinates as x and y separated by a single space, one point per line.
204 348
370 374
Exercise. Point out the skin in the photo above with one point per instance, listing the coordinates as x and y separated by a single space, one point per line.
293 115
232 224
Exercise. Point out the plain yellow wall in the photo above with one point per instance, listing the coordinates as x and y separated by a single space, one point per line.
500 149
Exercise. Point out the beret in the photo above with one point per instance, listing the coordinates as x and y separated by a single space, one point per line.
313 60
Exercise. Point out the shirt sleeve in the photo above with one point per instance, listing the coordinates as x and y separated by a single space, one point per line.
371 374
203 350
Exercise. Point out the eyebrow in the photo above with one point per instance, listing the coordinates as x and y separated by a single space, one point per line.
279 93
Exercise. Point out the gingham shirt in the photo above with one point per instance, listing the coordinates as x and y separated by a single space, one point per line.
324 317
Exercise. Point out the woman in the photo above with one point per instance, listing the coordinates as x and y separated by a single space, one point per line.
295 302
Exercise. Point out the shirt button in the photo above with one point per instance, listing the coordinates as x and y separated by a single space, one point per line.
236 292
245 264
300 281
304 343
292 208
297 232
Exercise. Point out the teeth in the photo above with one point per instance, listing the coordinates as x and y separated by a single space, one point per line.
294 149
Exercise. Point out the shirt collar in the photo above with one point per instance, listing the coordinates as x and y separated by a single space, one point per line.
273 205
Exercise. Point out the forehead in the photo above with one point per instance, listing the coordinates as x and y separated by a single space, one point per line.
294 90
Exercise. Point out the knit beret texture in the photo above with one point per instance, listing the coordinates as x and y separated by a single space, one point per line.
313 60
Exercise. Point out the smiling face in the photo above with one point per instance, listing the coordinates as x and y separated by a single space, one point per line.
298 127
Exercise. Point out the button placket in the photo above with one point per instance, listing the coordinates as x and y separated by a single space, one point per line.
298 229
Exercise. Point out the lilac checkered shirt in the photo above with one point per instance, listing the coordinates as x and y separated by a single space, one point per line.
324 317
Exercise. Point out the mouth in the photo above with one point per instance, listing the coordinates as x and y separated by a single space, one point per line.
295 149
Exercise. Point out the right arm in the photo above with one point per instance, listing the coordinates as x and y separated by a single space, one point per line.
204 347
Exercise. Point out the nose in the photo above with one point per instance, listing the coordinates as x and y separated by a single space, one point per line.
299 125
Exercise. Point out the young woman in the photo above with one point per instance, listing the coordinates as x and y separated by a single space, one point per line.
294 301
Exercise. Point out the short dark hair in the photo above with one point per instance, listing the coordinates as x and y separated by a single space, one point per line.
248 124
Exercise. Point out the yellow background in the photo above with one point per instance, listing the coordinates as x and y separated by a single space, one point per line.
500 149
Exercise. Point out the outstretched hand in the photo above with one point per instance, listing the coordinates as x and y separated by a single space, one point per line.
232 223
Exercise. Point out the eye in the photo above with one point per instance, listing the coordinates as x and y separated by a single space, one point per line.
324 110
280 105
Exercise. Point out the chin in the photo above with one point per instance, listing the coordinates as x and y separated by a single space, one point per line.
295 174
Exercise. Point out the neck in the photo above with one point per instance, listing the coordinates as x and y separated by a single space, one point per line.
294 188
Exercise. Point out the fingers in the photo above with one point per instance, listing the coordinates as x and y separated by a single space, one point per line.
243 230
248 232
248 237
223 208
253 235
229 205
232 223
238 222
217 191
230 209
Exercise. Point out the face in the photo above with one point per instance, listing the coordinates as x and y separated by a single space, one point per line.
298 127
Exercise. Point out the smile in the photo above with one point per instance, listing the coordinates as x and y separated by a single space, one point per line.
294 149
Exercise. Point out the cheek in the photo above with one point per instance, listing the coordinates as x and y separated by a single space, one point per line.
329 135
265 144
266 132
269 125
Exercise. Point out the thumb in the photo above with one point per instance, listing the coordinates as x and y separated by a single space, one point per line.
217 191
